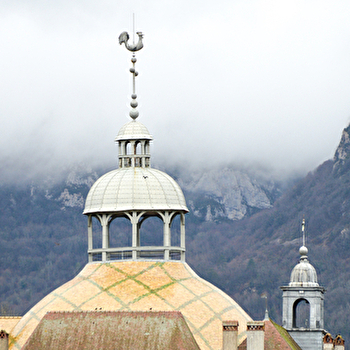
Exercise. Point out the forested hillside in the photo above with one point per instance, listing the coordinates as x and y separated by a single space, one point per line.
257 254
43 235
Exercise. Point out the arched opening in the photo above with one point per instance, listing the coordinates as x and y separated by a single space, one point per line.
138 148
175 237
301 314
127 148
151 231
120 231
94 237
96 233
120 235
176 230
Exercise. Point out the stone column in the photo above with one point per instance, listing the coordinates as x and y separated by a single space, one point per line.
255 335
143 152
134 222
182 235
105 235
230 335
167 238
4 340
133 152
90 242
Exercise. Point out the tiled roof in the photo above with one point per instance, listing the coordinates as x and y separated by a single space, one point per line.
141 286
276 338
120 330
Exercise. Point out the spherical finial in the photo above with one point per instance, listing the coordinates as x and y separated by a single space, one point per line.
303 251
134 113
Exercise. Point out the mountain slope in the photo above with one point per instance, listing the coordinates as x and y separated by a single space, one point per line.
257 254
43 235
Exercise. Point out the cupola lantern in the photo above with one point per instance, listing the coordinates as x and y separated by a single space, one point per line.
135 191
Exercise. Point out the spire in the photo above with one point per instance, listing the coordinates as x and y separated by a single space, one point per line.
133 138
124 38
134 113
303 250
264 296
267 317
303 274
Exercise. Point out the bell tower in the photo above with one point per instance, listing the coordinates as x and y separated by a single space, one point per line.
303 304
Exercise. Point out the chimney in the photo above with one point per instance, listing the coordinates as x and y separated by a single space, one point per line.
328 342
230 335
255 335
339 343
4 340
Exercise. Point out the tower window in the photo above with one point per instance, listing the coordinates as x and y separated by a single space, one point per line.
138 148
301 314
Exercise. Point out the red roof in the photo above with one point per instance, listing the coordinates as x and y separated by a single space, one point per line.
112 330
276 338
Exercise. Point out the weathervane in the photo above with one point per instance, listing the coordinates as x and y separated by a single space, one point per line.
124 38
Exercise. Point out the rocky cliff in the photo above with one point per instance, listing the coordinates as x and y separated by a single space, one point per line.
227 193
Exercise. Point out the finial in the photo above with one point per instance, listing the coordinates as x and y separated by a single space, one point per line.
303 250
264 296
124 38
267 317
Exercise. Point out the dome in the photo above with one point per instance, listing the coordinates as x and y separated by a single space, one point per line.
133 130
303 275
131 188
141 286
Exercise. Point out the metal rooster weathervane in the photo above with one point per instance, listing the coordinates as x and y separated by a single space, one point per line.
124 38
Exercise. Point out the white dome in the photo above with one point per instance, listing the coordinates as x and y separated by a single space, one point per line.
303 275
134 189
133 130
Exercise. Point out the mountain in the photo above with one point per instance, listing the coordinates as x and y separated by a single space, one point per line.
256 254
227 193
242 234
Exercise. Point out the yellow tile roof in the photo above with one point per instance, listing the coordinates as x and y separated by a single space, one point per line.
141 286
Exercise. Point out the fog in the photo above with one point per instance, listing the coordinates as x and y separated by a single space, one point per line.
260 83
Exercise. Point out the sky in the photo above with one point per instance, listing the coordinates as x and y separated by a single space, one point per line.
254 83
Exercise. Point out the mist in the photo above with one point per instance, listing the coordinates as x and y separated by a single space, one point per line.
262 83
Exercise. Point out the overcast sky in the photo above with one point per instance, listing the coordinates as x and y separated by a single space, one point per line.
264 81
